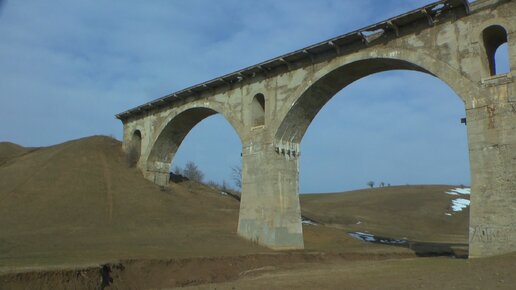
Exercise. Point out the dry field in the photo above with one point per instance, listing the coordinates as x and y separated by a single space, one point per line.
75 216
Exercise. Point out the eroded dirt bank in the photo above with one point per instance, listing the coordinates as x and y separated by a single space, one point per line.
157 274
292 270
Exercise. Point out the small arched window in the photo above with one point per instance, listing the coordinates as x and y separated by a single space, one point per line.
258 110
495 43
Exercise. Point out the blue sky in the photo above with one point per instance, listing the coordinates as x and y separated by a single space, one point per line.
68 66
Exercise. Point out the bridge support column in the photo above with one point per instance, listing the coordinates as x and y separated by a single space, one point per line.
269 209
492 143
158 172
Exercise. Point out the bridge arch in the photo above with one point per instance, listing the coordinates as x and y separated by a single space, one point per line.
303 106
174 128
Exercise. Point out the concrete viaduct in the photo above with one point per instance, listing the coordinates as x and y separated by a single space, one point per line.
271 104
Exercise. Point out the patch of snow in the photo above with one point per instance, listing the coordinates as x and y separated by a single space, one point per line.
363 236
223 193
392 241
373 239
307 221
359 222
459 204
458 191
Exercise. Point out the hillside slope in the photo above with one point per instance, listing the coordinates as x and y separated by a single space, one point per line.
79 202
416 212
10 150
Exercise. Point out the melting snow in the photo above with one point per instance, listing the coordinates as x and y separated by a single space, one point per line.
363 236
459 204
458 191
307 221
374 239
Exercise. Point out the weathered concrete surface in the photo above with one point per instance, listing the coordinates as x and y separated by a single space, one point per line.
452 42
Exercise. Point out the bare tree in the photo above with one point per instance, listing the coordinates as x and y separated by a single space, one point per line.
213 184
177 170
193 172
220 186
382 184
236 175
370 184
225 186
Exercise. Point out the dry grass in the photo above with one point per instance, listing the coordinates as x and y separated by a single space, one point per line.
416 212
78 203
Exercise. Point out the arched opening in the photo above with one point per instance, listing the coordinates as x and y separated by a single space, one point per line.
200 136
403 120
375 133
258 110
135 148
214 148
502 65
496 48
172 136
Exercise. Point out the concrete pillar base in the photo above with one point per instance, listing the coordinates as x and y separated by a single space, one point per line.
270 213
492 142
157 172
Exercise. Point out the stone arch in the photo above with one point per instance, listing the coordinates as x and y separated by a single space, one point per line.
172 133
303 106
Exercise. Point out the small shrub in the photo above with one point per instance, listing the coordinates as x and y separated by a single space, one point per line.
193 172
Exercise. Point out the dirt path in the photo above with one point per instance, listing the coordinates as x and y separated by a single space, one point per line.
41 168
285 270
160 274
109 190
417 273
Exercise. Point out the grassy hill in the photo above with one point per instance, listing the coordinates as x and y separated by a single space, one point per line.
79 203
416 212
75 216
10 150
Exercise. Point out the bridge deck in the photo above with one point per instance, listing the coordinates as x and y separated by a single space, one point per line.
337 44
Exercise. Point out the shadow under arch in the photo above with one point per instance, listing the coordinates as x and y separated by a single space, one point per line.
310 101
172 135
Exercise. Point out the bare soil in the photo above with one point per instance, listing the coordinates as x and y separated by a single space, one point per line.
75 216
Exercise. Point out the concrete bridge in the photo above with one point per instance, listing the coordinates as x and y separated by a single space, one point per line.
270 105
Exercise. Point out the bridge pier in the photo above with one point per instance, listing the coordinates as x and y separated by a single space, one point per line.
492 146
160 175
270 212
